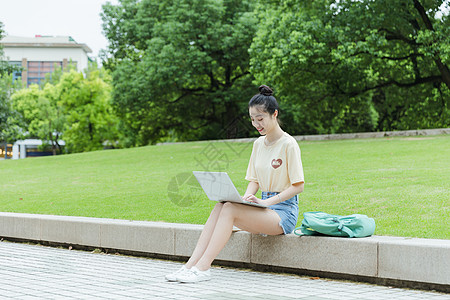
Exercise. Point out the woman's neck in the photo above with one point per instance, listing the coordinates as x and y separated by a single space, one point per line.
274 135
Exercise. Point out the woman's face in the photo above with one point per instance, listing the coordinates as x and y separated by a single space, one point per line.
261 120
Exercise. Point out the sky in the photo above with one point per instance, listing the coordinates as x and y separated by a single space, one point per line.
79 19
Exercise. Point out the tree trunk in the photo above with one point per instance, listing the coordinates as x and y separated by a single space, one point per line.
445 71
50 137
57 144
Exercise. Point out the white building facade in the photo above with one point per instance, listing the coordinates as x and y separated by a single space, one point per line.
40 55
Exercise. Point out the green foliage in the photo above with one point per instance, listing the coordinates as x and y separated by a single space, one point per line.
5 67
86 105
180 67
9 117
9 129
355 65
74 107
41 117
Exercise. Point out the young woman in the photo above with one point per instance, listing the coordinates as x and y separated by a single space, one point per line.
275 167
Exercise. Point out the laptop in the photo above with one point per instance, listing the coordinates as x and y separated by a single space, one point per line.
219 187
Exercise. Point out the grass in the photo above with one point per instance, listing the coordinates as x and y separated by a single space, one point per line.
403 183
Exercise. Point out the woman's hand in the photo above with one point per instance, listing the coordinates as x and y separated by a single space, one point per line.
252 198
247 197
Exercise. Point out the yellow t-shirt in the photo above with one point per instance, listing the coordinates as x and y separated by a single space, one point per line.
276 167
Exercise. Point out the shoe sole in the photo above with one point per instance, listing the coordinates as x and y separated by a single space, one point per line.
194 281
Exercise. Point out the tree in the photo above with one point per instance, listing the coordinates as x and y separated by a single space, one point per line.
356 65
10 119
72 107
179 67
9 130
85 102
41 117
5 67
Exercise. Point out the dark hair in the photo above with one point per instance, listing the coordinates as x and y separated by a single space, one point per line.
265 99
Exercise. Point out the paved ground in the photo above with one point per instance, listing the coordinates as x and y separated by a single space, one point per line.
37 272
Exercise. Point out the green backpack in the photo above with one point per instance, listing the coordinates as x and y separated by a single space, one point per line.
320 223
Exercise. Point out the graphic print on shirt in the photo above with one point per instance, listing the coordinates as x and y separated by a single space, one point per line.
276 163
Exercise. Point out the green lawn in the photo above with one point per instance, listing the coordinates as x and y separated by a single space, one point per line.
404 183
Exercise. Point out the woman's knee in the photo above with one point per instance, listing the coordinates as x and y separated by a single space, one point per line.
229 205
217 208
229 208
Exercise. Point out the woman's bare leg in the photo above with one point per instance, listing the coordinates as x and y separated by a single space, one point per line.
248 218
205 236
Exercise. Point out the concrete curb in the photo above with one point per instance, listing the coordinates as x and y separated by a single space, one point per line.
420 263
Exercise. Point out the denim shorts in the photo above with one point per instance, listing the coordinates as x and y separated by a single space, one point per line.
287 210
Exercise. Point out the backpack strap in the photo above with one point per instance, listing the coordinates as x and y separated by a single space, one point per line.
298 232
346 230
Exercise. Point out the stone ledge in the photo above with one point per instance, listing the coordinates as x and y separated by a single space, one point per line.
323 254
377 258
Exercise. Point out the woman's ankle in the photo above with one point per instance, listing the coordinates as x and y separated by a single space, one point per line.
190 263
202 267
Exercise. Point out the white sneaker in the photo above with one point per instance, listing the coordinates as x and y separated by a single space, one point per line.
194 275
173 276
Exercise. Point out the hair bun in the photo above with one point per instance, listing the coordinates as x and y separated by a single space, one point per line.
265 90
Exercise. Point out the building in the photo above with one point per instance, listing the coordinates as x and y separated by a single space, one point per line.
29 148
40 55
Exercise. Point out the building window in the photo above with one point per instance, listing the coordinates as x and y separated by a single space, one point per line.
38 69
16 74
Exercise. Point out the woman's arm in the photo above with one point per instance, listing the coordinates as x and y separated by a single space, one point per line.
290 192
252 189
